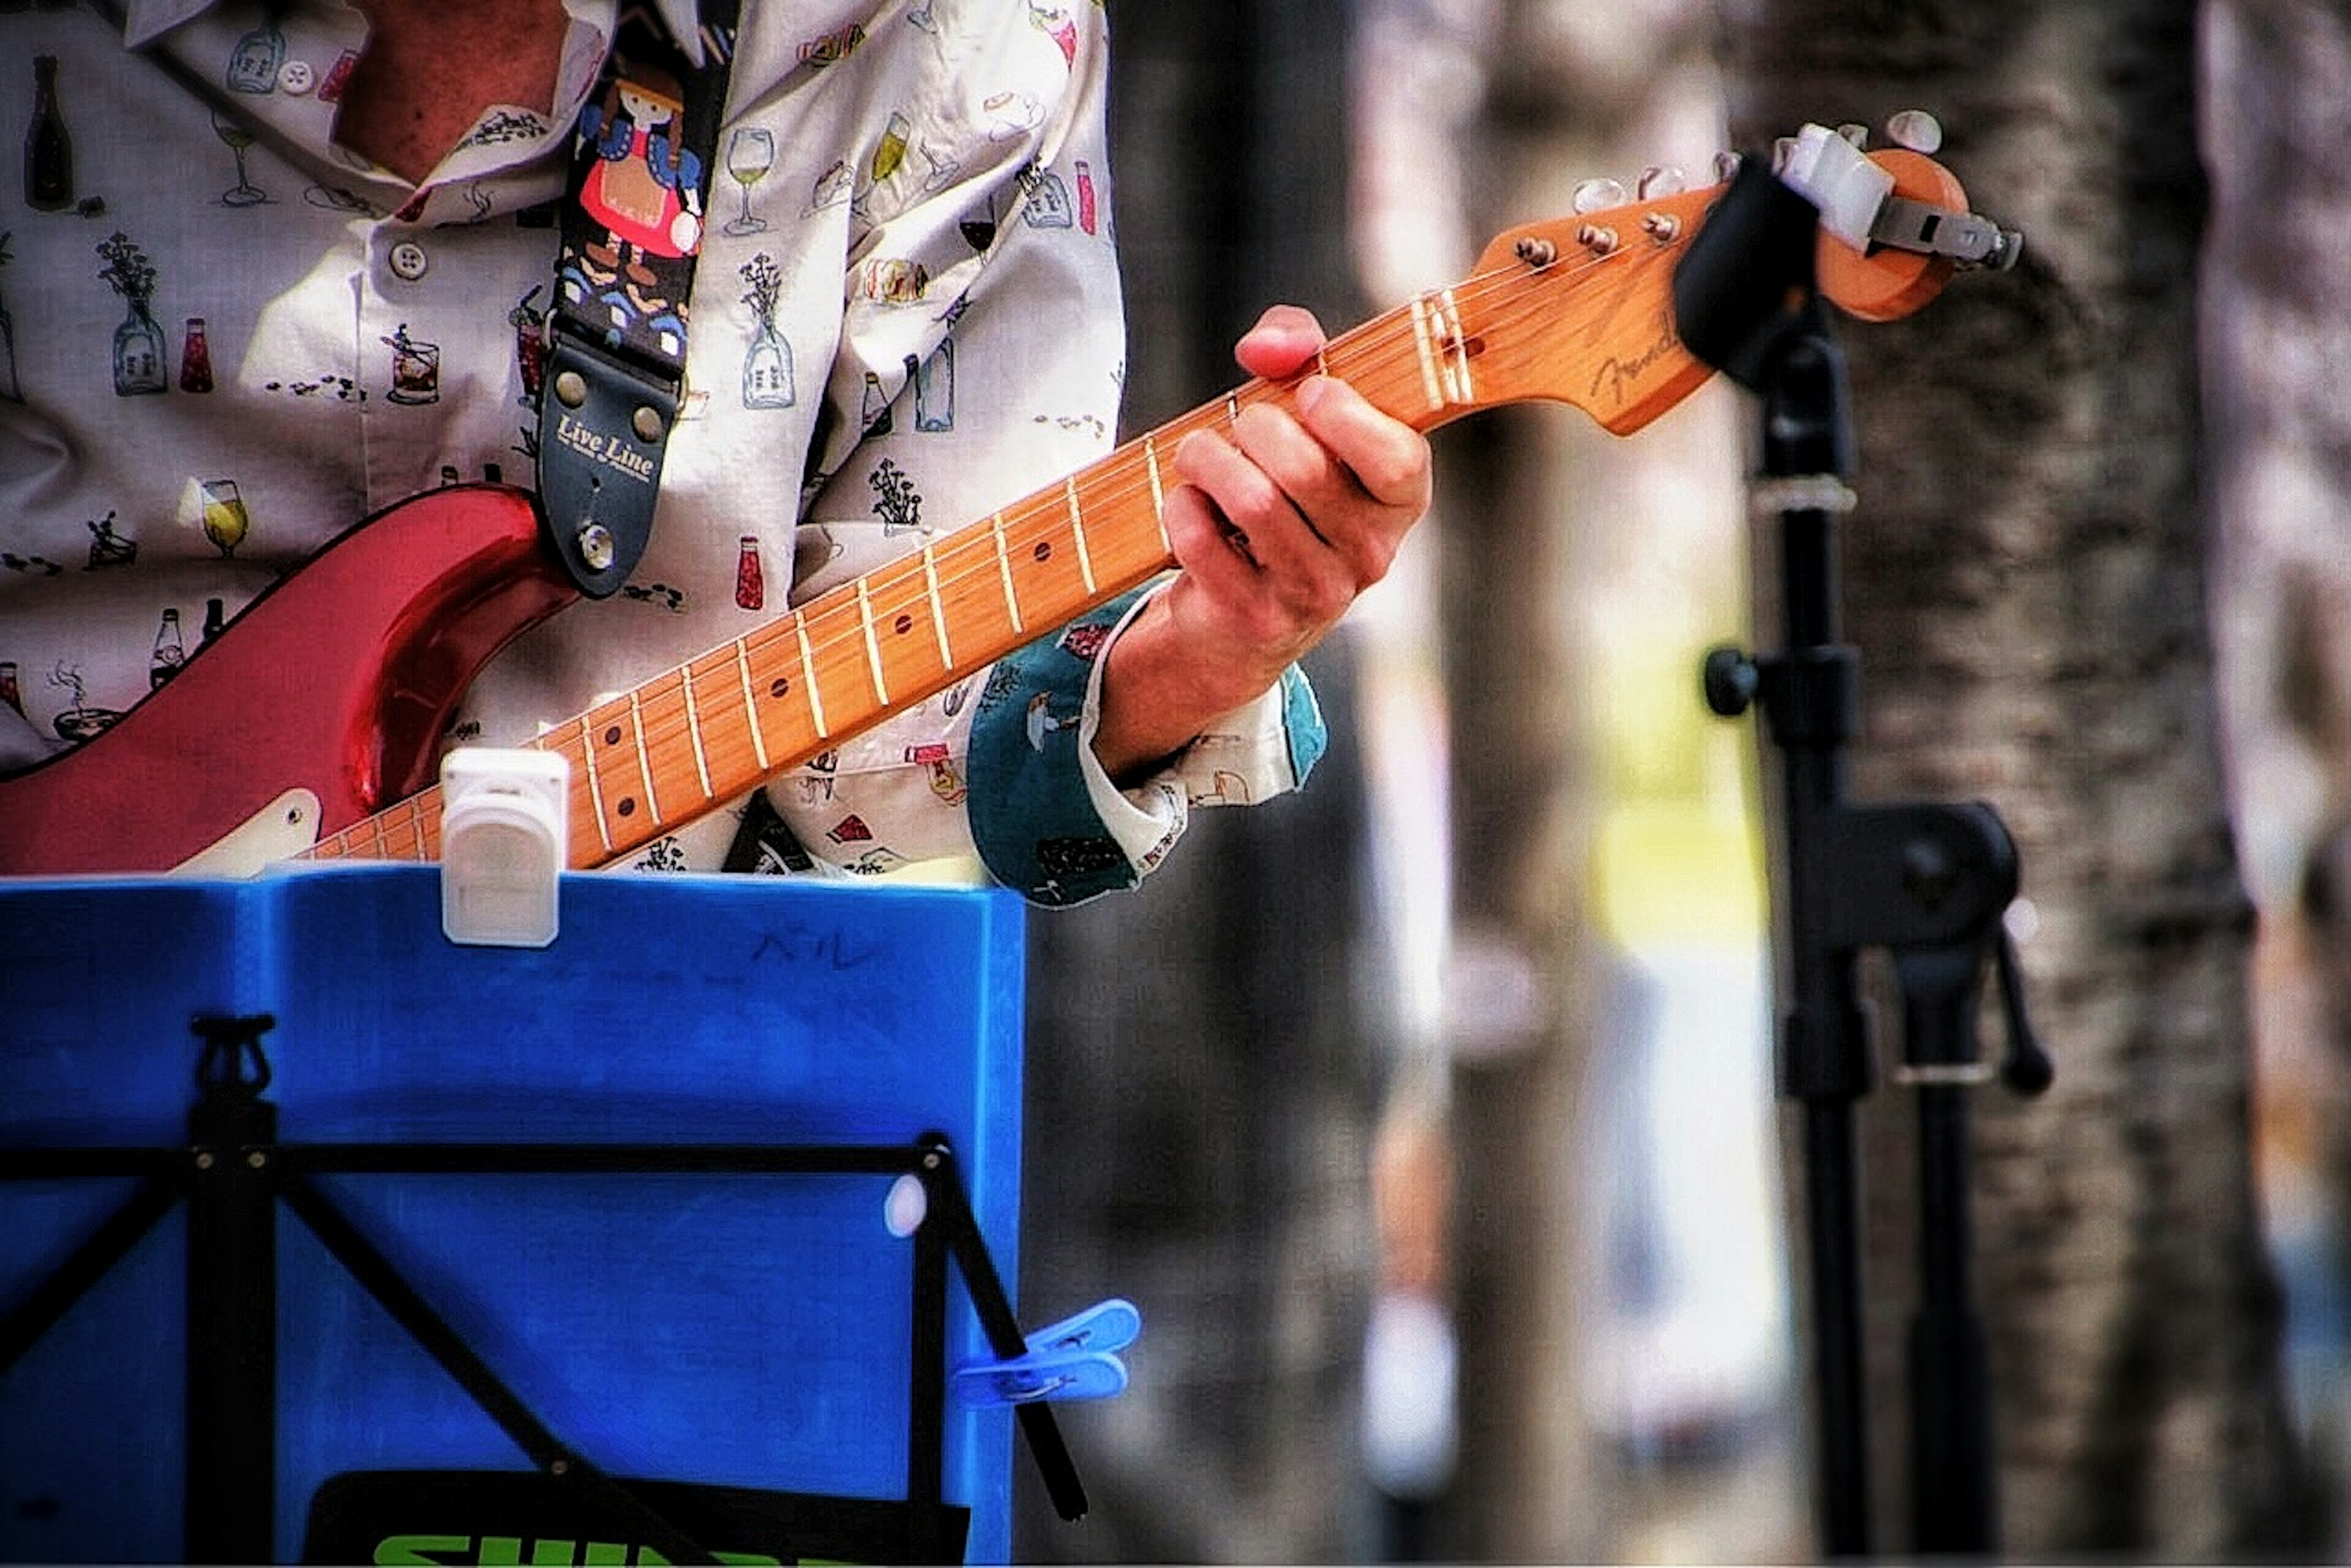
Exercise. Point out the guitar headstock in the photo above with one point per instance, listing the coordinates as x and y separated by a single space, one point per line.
1580 309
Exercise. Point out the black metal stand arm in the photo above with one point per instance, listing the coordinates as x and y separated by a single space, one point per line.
1926 883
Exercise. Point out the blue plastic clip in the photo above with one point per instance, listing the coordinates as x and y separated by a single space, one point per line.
1073 1359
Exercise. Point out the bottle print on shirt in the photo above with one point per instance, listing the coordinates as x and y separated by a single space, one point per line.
1047 205
196 359
529 324
170 650
750 580
48 151
767 358
253 64
935 388
141 367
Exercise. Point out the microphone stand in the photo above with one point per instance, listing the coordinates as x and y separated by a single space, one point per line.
1926 883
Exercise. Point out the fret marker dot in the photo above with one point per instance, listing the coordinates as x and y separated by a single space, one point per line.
628 807
612 736
904 624
1044 551
779 688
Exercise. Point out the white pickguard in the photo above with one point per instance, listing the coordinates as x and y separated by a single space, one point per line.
279 830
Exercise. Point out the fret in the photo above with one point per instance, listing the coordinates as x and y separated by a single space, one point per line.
595 787
1232 408
750 705
1158 493
669 748
581 803
939 606
1043 553
713 690
808 673
606 733
1078 532
1004 565
783 671
895 597
1122 545
872 643
644 762
694 733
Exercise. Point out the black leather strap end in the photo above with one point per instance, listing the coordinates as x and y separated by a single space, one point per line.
601 427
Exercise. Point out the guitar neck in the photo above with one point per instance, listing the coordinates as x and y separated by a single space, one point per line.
701 735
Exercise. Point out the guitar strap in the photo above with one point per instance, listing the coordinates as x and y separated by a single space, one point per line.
630 223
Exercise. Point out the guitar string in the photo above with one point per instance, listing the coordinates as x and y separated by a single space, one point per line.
1385 375
1126 479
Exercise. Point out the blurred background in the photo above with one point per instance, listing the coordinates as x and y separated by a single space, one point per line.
1430 1116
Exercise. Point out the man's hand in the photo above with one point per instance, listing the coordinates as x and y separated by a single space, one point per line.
1278 524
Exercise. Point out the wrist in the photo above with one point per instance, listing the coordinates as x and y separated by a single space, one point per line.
1161 686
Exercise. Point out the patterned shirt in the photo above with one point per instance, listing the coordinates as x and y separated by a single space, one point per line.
224 340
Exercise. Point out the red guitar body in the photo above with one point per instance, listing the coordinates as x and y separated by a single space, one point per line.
338 682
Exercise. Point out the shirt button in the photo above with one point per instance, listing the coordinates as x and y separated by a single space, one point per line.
408 261
297 77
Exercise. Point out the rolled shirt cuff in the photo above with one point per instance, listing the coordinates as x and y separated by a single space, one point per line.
1046 817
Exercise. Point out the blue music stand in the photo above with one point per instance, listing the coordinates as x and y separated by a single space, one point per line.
321 1233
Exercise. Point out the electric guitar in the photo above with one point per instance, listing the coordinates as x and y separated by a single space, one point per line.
312 726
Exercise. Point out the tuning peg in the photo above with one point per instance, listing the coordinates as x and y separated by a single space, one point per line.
1857 134
1726 167
1595 195
1782 149
1915 129
1662 180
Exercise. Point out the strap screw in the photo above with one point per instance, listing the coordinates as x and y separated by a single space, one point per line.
571 388
596 546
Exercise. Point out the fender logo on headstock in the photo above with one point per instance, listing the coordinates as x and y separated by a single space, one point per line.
1617 378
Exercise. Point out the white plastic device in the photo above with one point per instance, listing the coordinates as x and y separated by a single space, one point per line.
1839 179
506 817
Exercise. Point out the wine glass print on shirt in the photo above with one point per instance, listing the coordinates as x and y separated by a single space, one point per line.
244 193
750 153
